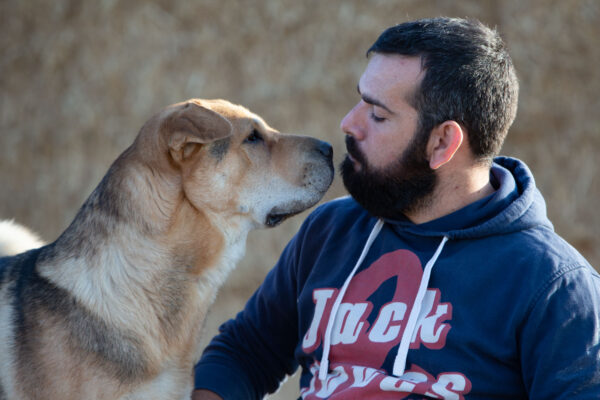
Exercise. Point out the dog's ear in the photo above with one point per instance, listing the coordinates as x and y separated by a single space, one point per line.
191 126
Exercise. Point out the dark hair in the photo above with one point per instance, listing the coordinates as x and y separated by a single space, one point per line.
469 77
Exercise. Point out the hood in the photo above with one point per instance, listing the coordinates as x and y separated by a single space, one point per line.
516 205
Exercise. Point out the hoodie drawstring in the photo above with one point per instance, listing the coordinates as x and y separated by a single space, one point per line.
400 361
324 366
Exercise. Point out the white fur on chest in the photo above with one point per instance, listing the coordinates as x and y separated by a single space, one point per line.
234 250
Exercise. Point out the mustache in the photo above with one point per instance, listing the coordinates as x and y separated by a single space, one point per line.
353 150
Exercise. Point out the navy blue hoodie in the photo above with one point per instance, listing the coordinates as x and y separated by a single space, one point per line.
487 302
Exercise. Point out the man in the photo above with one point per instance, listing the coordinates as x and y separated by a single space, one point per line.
441 277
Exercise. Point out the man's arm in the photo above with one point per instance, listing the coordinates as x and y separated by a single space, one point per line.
560 341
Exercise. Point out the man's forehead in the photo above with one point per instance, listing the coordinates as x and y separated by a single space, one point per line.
388 76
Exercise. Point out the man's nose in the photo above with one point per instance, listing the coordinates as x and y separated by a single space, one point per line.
349 124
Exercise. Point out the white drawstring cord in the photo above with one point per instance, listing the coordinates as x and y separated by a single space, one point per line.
324 366
400 361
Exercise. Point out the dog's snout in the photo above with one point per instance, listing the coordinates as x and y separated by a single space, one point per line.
325 149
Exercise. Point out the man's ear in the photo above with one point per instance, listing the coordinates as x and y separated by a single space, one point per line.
444 141
189 126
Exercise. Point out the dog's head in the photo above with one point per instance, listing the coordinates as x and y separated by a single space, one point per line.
232 164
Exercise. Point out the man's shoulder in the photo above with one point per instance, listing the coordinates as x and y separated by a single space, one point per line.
544 242
546 255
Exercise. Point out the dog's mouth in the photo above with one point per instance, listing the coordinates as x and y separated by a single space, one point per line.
274 218
279 214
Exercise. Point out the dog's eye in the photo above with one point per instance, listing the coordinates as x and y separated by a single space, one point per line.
254 137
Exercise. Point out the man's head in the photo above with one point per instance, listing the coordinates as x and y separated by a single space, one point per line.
468 77
425 76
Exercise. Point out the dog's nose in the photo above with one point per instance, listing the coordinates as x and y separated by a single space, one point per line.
325 149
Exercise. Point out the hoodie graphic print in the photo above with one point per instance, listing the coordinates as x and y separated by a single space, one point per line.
365 321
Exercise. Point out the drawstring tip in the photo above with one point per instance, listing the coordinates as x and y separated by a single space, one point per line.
398 372
323 368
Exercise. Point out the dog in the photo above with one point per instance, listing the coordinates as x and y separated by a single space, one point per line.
113 309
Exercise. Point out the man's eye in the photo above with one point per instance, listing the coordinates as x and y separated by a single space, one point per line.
376 118
254 137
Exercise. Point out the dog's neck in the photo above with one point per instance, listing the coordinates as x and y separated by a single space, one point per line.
125 256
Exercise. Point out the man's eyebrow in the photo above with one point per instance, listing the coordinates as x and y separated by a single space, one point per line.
369 100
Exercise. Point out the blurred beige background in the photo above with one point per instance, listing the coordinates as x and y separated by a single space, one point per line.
78 79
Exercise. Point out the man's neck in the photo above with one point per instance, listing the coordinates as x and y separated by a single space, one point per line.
454 192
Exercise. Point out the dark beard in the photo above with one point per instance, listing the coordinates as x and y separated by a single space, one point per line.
401 188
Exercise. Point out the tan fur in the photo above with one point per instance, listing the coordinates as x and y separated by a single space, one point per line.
133 276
